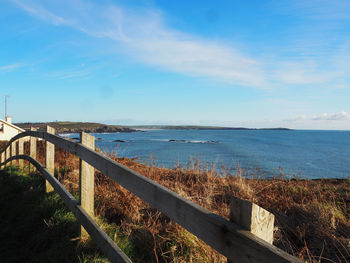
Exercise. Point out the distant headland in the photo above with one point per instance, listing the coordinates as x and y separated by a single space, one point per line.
197 127
93 127
75 127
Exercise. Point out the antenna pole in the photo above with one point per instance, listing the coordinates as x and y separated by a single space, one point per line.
6 96
5 106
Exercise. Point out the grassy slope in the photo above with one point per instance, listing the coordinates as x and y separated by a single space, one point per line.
36 227
312 216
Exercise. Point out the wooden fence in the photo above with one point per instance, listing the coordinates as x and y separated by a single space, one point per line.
247 239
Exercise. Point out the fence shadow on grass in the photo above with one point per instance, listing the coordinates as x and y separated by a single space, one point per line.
37 227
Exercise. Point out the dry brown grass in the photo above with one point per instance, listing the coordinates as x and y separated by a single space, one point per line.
312 216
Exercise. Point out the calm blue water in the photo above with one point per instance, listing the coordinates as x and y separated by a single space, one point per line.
307 154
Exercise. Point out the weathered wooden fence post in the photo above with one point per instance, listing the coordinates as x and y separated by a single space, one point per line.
86 180
8 154
32 149
2 160
50 158
21 152
252 217
13 153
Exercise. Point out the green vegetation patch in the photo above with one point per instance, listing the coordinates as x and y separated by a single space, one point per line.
37 227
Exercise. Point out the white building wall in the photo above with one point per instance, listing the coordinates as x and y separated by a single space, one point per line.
8 132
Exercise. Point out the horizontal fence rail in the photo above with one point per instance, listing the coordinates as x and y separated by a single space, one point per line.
105 243
228 238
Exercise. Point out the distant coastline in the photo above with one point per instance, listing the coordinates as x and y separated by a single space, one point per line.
93 127
195 127
76 127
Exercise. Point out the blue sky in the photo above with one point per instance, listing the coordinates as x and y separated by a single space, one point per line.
270 63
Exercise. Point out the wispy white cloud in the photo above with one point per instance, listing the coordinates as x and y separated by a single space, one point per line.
332 116
339 116
325 71
316 50
326 121
311 65
341 86
40 12
145 36
296 119
10 67
68 73
302 72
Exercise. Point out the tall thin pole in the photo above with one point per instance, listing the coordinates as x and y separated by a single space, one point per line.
5 106
6 96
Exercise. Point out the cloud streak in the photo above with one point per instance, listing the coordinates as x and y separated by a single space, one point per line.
332 117
145 37
68 74
10 67
339 116
40 12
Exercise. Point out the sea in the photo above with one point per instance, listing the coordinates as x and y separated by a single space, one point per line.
308 154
